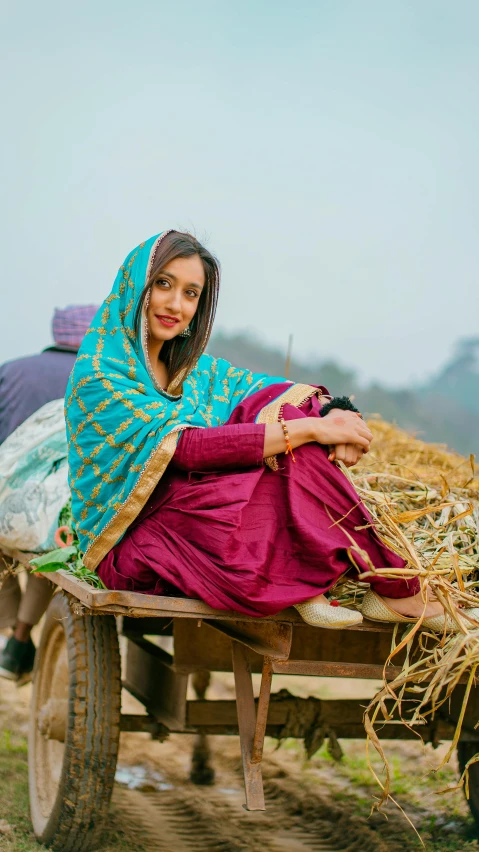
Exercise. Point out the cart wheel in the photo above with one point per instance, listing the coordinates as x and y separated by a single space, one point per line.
74 727
466 750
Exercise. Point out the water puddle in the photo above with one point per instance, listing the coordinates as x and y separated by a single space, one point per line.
141 778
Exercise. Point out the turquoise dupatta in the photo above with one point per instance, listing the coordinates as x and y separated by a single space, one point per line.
122 428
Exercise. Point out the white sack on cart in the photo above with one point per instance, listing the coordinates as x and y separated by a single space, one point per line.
34 480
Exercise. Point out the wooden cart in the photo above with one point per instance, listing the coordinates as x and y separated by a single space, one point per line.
76 716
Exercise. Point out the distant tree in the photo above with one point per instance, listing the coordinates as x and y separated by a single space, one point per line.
459 379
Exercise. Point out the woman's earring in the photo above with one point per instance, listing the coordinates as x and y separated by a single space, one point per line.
186 332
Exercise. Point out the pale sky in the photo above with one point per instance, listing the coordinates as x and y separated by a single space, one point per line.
325 150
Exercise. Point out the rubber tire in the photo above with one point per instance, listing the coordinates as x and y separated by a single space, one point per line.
92 729
466 750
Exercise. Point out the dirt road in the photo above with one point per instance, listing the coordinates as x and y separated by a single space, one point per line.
318 806
180 815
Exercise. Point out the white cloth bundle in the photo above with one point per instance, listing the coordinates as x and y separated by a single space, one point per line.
34 480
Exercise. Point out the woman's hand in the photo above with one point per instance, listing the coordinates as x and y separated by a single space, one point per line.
343 431
346 430
349 454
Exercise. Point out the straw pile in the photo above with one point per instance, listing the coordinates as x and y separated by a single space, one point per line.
425 503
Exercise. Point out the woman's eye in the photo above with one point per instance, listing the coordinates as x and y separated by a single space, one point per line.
192 293
162 282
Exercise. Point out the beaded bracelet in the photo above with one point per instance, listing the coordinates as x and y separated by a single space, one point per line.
289 448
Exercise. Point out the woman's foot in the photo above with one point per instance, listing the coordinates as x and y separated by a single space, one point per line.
408 611
319 599
413 607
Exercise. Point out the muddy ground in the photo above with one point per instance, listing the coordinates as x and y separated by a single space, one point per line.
311 805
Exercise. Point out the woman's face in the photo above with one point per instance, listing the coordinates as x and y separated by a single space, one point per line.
174 297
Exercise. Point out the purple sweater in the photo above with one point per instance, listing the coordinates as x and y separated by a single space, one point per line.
28 383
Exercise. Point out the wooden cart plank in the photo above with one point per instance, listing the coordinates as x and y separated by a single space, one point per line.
148 605
151 678
323 668
139 605
19 555
267 638
197 645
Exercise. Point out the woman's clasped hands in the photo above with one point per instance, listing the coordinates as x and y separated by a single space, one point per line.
346 434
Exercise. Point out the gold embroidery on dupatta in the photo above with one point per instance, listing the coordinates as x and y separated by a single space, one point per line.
133 504
158 460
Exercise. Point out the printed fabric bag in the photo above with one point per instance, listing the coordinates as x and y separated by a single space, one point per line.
34 481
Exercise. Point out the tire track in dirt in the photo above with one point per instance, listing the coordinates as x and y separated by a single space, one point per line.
310 816
302 813
298 818
319 823
165 822
207 820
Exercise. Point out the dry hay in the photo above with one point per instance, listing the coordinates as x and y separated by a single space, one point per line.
394 451
425 503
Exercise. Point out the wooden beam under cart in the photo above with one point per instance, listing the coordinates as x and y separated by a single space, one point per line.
343 716
251 724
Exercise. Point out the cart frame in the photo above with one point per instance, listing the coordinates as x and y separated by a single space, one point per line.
216 640
76 716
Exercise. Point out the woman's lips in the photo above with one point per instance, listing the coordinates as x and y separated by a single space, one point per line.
167 321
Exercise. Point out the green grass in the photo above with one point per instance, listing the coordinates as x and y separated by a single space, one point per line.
443 820
14 806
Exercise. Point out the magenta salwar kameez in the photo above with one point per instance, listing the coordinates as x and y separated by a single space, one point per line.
223 527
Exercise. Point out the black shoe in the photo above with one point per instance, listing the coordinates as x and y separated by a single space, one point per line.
16 660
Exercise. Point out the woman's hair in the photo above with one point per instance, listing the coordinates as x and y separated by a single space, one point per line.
181 353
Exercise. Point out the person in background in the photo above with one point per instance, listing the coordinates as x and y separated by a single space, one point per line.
27 384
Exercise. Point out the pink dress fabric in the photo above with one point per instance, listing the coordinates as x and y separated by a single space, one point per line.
223 527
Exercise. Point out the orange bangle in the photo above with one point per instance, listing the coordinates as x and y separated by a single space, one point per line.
289 448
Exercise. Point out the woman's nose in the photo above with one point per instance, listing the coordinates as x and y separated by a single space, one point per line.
174 300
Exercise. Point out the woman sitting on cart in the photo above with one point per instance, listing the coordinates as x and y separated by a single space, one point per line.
192 477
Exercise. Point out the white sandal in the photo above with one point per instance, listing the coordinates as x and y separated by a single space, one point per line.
436 622
376 609
472 612
330 617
